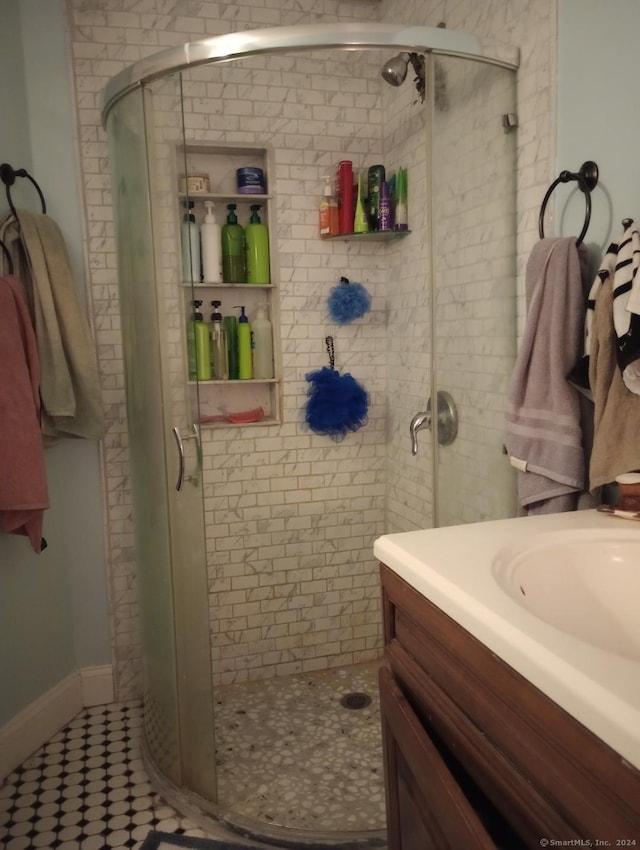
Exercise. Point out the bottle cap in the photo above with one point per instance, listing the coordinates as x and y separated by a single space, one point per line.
242 318
232 218
216 316
255 218
210 215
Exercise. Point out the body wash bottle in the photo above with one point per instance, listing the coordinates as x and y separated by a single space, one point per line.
245 359
262 337
198 346
190 246
219 355
256 238
210 240
400 218
233 270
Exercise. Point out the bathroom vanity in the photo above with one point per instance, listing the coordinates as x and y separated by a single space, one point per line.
501 730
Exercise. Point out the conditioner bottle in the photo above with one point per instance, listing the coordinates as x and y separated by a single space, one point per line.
262 340
257 244
210 239
198 346
245 360
233 270
219 355
190 247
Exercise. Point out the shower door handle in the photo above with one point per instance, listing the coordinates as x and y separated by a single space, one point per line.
447 421
195 435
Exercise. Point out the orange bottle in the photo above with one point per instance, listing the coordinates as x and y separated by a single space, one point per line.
328 212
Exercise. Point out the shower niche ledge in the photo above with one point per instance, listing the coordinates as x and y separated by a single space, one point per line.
232 403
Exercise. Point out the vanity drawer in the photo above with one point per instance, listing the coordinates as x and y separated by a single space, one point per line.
575 777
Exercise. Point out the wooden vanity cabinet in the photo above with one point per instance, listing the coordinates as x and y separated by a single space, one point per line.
476 757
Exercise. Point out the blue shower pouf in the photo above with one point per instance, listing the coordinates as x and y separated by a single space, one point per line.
336 403
348 301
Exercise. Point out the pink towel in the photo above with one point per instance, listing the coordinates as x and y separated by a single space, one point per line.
23 483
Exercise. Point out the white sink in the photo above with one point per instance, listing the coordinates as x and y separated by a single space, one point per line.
584 582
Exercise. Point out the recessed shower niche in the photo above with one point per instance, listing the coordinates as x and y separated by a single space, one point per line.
259 568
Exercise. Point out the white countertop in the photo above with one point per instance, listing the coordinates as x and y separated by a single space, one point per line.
452 567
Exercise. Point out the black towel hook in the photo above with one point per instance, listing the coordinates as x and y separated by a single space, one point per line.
8 176
587 179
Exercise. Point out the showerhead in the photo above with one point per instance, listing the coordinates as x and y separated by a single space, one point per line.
395 71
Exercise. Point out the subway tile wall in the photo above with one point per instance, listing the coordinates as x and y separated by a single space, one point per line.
293 585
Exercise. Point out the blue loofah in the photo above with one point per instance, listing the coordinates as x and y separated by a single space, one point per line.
348 301
336 403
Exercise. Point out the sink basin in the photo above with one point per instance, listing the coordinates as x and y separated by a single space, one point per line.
585 583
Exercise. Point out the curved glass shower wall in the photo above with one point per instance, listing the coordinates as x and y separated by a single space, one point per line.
254 542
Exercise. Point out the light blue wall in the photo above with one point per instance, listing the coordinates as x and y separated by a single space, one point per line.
53 606
598 116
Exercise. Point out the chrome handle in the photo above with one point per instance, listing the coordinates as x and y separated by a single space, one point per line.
181 464
420 420
447 424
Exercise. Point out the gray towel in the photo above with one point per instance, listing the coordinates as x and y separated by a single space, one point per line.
544 436
69 386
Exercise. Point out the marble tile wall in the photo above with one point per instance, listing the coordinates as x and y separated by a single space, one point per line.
293 553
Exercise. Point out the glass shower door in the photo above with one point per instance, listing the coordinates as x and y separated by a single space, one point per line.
163 444
474 284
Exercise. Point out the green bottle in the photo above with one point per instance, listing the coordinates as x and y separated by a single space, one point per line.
360 220
256 238
245 355
198 346
233 270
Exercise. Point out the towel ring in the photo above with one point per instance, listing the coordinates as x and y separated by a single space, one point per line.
8 176
587 179
7 256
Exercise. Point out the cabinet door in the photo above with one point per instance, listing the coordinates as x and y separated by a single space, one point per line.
426 809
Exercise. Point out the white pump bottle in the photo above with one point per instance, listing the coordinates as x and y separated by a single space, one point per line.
211 246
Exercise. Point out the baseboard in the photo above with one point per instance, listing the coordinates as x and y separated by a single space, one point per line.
40 720
97 685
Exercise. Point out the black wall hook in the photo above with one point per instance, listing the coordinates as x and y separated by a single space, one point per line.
8 176
587 179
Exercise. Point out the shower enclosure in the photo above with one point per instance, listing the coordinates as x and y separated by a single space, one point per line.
254 539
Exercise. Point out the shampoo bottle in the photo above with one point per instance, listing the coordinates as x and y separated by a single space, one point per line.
210 240
329 221
400 218
233 270
219 355
190 247
198 346
245 360
257 245
361 220
231 327
262 338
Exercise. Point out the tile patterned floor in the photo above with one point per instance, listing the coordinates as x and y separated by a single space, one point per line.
87 789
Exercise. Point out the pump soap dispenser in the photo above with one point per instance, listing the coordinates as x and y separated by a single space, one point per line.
191 258
245 359
219 354
210 238
257 244
198 346
233 270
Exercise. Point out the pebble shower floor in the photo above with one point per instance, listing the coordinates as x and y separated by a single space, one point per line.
87 789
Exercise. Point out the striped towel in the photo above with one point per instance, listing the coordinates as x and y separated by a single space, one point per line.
620 264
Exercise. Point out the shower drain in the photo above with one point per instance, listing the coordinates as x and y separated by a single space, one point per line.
355 700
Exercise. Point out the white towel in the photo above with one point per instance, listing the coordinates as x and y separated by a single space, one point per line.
543 408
